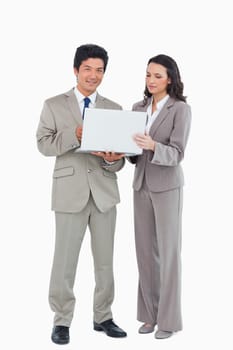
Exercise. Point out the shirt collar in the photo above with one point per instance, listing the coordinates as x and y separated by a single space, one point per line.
80 96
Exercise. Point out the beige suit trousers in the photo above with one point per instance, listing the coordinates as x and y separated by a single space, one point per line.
158 246
70 230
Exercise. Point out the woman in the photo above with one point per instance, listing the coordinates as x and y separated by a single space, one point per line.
158 182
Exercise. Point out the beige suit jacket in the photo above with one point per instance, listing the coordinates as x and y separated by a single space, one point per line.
75 174
170 130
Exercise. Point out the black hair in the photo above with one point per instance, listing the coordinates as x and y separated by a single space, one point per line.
176 87
84 52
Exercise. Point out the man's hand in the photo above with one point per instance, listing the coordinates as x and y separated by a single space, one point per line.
79 131
144 141
109 156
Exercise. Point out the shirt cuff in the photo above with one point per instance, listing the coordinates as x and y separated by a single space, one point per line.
109 163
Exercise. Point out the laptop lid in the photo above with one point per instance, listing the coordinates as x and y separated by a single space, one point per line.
111 130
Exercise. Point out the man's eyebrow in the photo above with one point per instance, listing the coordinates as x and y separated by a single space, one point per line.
87 66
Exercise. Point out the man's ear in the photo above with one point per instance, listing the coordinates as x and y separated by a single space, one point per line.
76 71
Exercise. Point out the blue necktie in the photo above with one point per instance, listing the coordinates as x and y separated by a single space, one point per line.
86 104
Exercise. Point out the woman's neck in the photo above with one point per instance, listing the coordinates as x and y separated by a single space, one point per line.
156 99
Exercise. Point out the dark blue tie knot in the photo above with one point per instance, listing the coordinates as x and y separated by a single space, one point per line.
86 102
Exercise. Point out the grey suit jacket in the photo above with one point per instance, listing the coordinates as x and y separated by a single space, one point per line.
170 130
75 174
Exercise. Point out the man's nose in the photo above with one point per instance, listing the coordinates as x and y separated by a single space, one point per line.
93 74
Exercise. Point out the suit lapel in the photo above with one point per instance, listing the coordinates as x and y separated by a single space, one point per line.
74 107
162 115
99 101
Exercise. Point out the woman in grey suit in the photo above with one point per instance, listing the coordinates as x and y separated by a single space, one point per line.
158 182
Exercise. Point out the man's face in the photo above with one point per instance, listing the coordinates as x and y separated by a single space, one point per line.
89 75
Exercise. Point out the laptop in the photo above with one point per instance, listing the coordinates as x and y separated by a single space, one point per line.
112 130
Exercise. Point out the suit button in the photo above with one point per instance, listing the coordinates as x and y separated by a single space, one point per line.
89 171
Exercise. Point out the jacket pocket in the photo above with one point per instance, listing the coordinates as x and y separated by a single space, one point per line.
109 174
62 172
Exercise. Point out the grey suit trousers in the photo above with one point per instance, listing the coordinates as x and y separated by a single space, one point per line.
70 230
158 248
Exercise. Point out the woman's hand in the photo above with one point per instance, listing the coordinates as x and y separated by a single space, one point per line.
144 141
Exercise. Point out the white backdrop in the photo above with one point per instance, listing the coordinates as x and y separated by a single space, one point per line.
38 42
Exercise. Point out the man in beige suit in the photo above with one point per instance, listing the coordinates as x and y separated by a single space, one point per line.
85 193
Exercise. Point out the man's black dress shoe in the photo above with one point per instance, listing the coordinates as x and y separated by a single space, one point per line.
60 335
110 328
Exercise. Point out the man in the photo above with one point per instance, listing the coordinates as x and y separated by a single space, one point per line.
85 193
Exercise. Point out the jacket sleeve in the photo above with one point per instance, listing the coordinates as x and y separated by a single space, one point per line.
173 153
53 142
132 159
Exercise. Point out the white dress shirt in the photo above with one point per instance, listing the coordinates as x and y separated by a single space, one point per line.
152 116
80 98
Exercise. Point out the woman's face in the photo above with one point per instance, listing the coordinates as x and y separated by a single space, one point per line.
157 80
